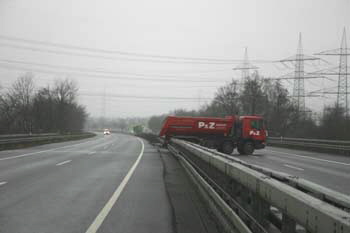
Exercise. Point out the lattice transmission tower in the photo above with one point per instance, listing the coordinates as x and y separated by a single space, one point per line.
342 71
245 66
299 75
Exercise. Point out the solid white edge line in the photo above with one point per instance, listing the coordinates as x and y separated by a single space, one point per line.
64 162
293 167
311 158
95 225
39 152
2 183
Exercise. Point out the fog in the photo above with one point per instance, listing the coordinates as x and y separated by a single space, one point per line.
117 79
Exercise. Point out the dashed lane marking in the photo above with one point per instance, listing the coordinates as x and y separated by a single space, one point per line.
64 162
2 183
293 167
39 152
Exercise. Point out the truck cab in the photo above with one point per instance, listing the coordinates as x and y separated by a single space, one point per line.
251 134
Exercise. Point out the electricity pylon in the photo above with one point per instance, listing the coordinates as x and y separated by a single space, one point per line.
299 75
342 71
246 66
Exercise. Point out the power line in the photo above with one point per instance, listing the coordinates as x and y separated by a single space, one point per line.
79 54
85 73
141 97
93 52
161 86
166 101
93 70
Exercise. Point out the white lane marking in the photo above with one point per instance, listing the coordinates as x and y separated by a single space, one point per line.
2 183
39 152
107 208
293 167
312 158
93 152
64 162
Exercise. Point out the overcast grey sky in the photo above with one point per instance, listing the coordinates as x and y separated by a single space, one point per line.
183 28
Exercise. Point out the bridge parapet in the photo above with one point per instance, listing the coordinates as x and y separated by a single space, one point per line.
260 199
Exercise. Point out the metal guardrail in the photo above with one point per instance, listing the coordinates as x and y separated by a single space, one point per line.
343 146
3 136
325 194
274 204
222 210
38 138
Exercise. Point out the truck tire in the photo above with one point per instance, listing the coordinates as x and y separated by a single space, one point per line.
240 149
227 148
248 148
211 144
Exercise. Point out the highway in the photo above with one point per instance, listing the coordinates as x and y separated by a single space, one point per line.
329 170
113 183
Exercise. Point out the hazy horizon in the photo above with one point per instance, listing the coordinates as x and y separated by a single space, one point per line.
195 29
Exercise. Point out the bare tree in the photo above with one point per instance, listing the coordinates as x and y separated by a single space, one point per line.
65 91
44 111
20 100
227 99
64 95
252 97
279 108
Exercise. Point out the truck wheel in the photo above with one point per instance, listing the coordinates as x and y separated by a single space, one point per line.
227 148
248 148
240 150
211 144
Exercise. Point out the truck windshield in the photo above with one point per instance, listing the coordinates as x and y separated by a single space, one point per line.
257 124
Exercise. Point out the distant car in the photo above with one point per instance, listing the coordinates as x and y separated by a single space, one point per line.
106 132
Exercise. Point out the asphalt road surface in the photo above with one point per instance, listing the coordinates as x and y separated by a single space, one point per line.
329 170
112 183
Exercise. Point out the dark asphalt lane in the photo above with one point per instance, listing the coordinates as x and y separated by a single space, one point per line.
64 187
42 196
329 170
144 200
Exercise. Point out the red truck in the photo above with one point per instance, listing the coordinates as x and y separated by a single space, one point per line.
246 133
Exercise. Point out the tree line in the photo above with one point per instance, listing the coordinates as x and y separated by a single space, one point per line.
51 109
270 99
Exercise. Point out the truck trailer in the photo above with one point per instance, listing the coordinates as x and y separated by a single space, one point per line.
246 133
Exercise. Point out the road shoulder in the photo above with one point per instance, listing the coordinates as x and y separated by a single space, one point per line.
190 213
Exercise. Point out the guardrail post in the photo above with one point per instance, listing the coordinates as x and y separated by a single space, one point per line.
288 224
261 210
236 192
